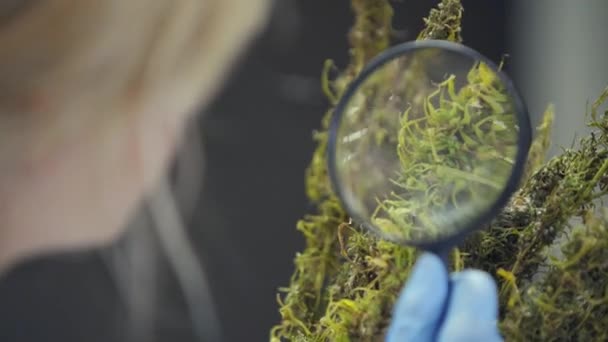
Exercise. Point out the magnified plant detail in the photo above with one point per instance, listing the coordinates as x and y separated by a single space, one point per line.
456 152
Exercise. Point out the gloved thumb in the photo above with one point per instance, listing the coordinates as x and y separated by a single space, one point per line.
472 310
417 311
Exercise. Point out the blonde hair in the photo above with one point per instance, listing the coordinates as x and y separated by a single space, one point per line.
67 64
68 67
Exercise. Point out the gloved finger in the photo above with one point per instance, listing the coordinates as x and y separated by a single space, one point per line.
418 309
472 312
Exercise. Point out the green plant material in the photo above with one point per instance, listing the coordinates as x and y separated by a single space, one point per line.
306 300
570 301
346 281
368 37
443 22
517 242
456 154
540 146
353 307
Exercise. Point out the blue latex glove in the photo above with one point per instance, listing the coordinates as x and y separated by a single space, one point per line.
472 307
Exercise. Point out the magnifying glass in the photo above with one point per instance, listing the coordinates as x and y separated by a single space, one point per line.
428 144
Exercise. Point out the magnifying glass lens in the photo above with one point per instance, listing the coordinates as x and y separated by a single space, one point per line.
426 143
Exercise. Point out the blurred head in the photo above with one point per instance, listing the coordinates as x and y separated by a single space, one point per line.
94 96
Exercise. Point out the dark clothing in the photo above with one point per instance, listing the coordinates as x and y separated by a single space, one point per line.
73 298
60 299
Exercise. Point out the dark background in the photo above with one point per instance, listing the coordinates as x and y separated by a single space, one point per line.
258 142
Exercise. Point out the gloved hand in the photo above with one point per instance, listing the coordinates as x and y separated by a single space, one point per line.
472 307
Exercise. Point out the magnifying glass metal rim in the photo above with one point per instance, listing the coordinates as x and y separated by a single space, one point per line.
524 140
